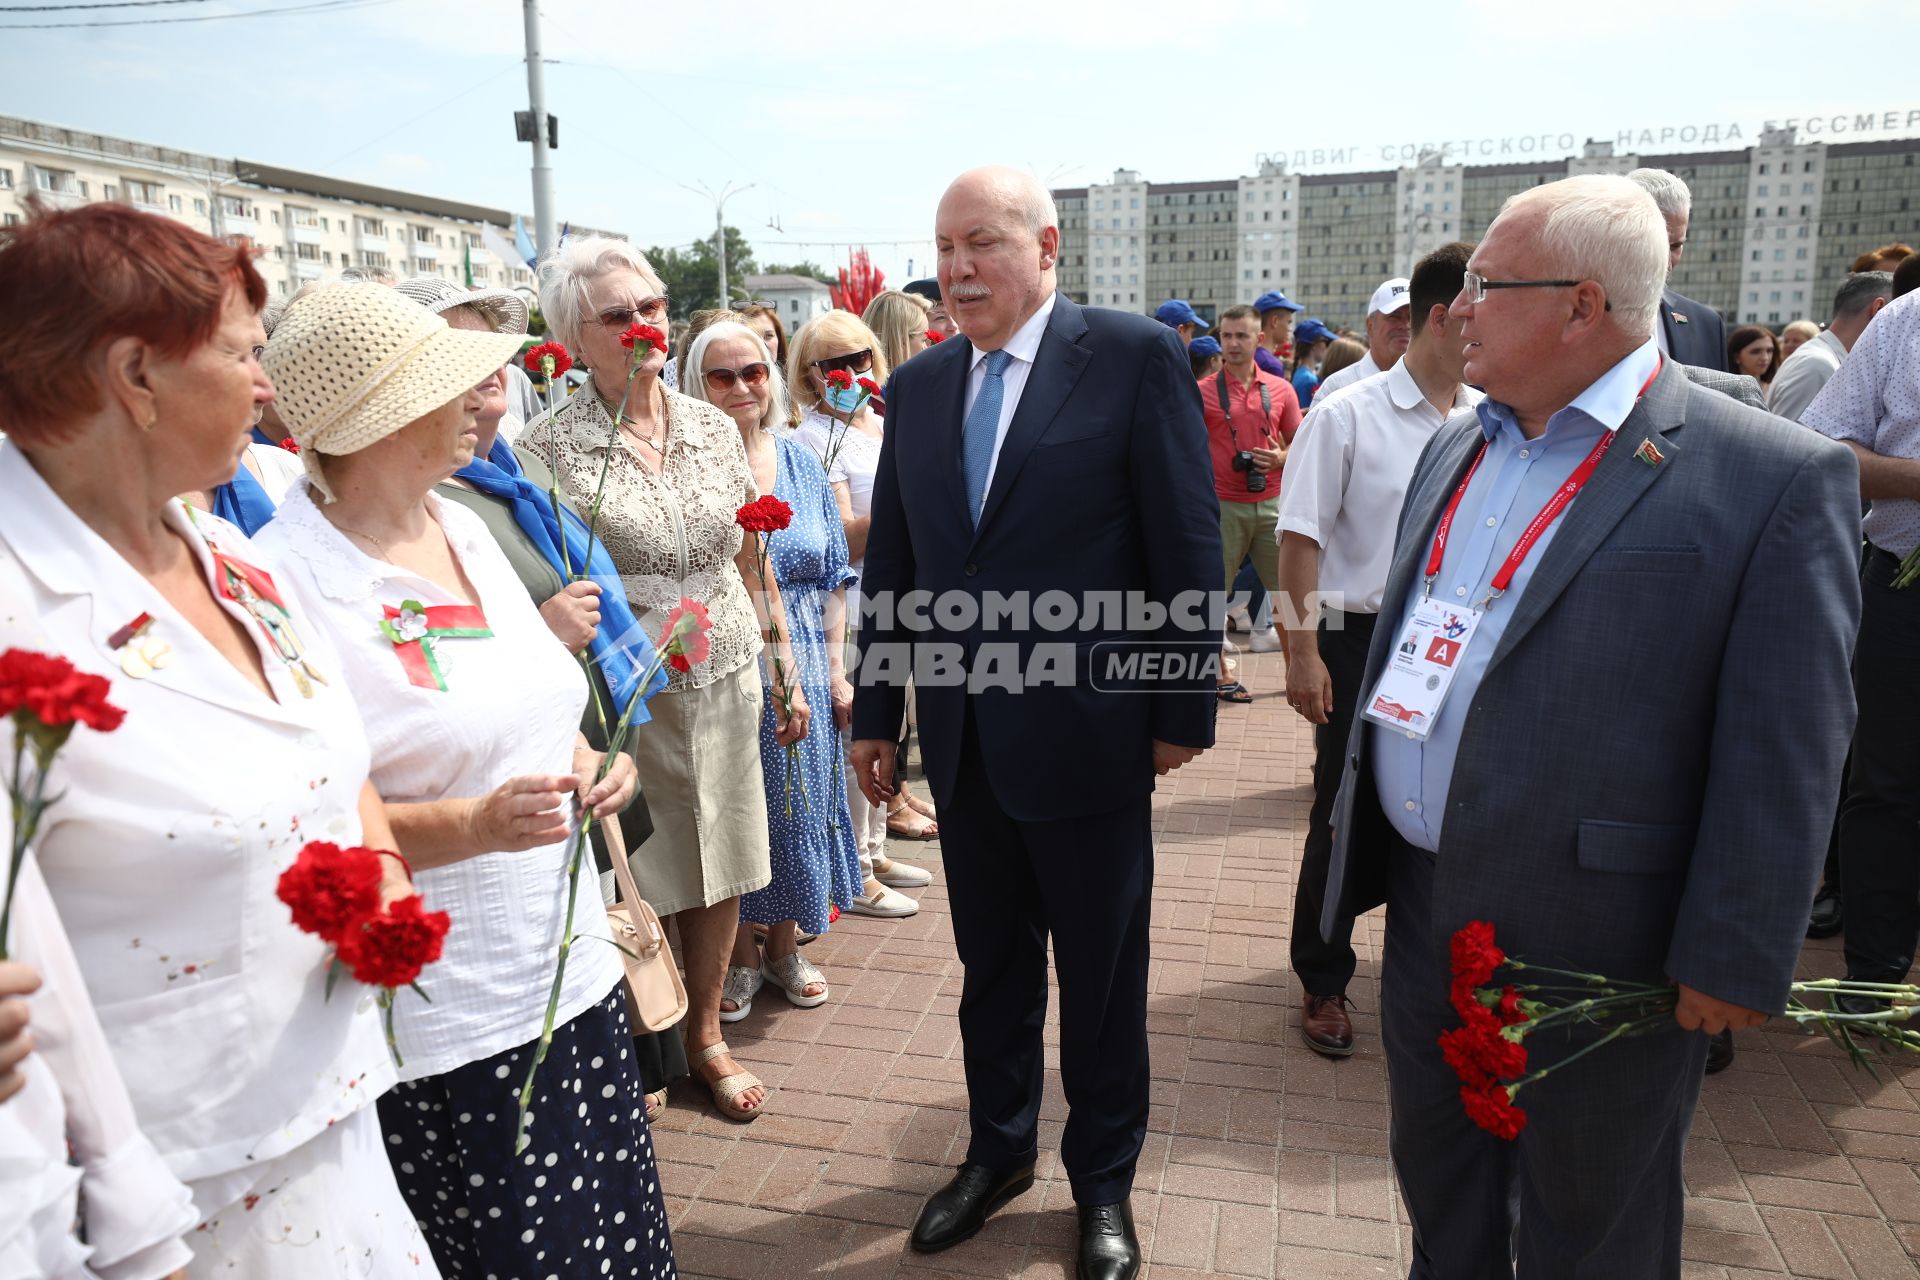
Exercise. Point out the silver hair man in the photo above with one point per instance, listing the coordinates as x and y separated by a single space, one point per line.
1676 206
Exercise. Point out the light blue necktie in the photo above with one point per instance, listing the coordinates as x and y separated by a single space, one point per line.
981 429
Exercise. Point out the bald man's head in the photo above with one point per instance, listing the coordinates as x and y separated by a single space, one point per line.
998 238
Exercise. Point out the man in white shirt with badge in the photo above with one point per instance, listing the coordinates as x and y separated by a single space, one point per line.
1337 515
1389 330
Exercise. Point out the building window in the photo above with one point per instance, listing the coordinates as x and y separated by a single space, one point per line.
423 235
58 181
6 179
370 226
10 220
146 193
200 207
174 204
307 252
371 258
236 207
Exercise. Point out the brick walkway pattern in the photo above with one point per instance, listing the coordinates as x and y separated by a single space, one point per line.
1262 1159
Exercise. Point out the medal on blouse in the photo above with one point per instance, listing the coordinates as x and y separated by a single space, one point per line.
141 652
253 590
415 629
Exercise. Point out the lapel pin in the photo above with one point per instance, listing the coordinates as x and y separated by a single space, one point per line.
1649 453
141 652
1679 318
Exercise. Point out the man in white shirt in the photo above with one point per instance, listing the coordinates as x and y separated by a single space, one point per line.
1338 511
1388 332
1859 300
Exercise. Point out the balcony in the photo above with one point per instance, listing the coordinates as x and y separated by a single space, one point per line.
371 242
305 270
239 224
426 250
307 233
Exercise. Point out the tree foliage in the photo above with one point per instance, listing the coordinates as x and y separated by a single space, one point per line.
692 276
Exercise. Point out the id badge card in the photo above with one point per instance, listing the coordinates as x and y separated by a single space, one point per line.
1421 668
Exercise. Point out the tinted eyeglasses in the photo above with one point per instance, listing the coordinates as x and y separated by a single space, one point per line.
753 375
857 362
653 311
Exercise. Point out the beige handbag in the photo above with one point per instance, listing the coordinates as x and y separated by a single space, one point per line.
656 998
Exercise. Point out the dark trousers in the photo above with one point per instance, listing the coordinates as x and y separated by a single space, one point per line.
1880 823
1088 883
1326 965
1591 1190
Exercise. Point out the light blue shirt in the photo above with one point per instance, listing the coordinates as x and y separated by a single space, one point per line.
1511 486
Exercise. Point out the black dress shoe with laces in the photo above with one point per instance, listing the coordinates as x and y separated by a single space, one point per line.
1108 1248
958 1210
1719 1052
1827 917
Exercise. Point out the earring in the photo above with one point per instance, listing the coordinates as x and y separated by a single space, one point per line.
153 420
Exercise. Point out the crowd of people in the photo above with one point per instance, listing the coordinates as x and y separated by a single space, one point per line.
359 573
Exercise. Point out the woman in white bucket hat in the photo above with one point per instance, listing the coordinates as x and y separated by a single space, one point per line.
473 709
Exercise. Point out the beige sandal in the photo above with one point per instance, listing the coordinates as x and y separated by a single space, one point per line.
656 1103
908 823
727 1089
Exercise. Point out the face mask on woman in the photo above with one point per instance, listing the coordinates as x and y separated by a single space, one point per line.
844 399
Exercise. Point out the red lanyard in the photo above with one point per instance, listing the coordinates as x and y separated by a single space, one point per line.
1562 497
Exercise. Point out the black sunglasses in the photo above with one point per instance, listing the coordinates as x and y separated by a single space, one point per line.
752 374
858 362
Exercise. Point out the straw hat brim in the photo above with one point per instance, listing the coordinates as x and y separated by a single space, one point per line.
446 365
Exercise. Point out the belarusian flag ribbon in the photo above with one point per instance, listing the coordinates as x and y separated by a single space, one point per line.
413 628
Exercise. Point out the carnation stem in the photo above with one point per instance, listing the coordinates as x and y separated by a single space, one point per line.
26 820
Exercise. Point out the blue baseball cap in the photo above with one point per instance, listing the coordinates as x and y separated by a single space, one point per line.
1274 300
1311 331
1178 311
1203 347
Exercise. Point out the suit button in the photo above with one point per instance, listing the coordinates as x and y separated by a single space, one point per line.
972 569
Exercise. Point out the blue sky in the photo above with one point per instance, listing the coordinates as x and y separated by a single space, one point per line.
850 119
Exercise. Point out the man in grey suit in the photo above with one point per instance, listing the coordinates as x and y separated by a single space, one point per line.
1603 780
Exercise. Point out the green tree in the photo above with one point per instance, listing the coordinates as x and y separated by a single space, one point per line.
803 268
692 275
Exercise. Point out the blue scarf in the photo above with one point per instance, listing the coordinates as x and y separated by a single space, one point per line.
261 437
620 648
243 502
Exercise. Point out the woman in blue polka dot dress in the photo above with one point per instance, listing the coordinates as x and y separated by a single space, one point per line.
816 864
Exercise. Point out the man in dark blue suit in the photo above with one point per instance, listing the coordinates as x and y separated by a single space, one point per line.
1691 332
1046 483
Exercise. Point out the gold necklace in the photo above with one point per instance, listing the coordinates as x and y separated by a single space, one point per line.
378 545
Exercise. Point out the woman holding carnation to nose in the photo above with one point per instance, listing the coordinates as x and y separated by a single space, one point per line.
135 339
473 710
816 866
668 475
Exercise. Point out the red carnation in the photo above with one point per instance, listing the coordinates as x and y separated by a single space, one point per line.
1487 1054
1475 956
290 445
869 386
1491 1107
536 359
679 662
934 335
840 380
637 333
330 888
764 515
391 948
1509 1012
54 696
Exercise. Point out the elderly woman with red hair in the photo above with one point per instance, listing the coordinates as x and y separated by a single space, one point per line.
131 374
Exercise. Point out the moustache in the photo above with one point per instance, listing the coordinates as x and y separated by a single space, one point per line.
970 292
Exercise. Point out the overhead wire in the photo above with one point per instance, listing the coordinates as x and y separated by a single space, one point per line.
286 11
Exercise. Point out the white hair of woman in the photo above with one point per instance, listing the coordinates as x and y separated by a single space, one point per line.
693 378
1604 228
567 271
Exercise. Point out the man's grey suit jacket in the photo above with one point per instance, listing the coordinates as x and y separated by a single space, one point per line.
1644 784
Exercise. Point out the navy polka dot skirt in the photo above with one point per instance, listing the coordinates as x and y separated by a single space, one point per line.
583 1200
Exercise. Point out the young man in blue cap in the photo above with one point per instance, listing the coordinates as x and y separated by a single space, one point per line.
1277 312
1178 314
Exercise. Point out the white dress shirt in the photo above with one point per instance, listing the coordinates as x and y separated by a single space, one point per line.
164 850
1874 402
512 707
1023 346
1347 476
136 1211
1365 367
279 468
1805 372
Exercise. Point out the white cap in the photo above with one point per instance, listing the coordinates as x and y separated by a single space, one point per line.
1389 297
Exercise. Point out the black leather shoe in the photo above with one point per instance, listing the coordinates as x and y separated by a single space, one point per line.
958 1210
1859 1004
1108 1248
1825 920
1719 1052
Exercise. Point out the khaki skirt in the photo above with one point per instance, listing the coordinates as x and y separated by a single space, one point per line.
699 762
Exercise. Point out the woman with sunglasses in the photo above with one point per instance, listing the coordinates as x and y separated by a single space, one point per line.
676 474
816 865
845 433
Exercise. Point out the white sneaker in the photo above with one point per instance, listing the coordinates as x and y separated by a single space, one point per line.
888 904
1267 641
1237 620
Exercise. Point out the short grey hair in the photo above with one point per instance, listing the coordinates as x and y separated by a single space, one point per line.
1604 228
367 275
567 271
1667 190
693 380
1858 291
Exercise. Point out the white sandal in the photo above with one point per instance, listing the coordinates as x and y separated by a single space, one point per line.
727 1089
793 974
741 986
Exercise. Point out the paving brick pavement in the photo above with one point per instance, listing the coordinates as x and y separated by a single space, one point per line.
1262 1159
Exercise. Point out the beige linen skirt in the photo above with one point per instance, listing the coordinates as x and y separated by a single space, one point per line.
699 762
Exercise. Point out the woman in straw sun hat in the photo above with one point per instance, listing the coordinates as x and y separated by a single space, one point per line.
473 712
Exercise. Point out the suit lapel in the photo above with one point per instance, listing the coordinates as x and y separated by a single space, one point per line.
1057 366
1622 477
947 394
